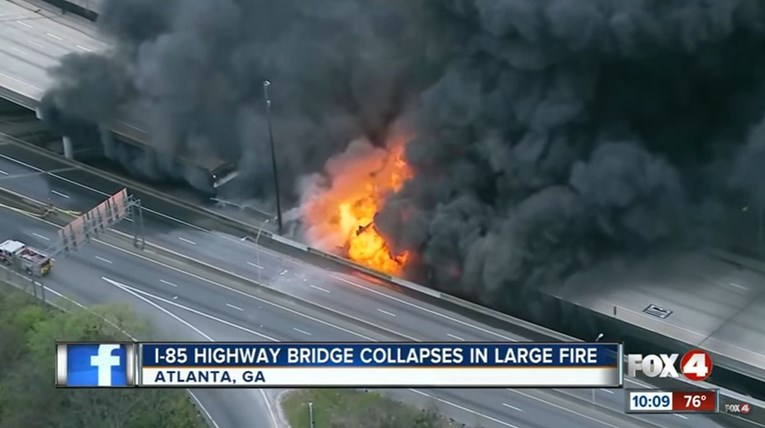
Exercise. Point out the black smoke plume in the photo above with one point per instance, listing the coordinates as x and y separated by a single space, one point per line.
564 133
339 70
550 134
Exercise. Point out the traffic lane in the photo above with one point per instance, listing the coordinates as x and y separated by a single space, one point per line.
31 63
66 189
40 185
450 401
616 399
229 409
97 265
94 188
24 52
533 402
53 36
25 77
74 284
498 409
307 283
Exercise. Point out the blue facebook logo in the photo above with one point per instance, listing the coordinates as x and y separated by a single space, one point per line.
96 365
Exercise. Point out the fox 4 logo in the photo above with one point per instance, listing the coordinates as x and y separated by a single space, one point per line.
742 408
696 365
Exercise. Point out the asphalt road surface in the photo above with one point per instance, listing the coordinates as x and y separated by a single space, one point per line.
29 45
101 274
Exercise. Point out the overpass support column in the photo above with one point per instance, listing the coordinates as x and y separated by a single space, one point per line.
68 152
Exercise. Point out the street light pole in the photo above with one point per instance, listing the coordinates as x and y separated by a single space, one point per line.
310 414
266 84
257 248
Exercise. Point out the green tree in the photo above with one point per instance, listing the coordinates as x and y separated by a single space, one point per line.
28 398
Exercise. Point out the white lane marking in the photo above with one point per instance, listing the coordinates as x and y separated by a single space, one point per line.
234 307
23 24
563 408
135 291
83 48
283 272
430 311
188 241
41 236
237 291
739 286
234 290
86 187
319 288
386 312
204 409
424 394
274 423
104 260
19 51
53 36
512 407
63 195
25 83
3 172
126 288
301 331
607 390
256 266
168 283
119 249
473 412
455 337
681 416
36 43
217 284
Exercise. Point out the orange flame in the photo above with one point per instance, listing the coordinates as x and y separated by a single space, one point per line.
341 215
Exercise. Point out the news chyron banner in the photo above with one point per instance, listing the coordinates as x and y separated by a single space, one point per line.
352 365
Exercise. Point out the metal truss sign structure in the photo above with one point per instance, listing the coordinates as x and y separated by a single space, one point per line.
98 220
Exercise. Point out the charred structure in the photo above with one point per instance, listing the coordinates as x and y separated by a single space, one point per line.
543 136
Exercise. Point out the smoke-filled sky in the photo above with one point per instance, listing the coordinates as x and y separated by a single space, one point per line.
550 134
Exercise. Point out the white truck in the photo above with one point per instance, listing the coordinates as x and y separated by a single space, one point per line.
27 259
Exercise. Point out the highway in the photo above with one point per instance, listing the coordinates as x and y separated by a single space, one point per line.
190 306
345 296
708 311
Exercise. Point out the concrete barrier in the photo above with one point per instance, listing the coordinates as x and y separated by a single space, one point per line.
124 241
541 332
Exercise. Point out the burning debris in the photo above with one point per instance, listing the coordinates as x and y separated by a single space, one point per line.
550 134
339 206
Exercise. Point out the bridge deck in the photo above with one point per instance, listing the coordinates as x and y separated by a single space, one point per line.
32 42
712 300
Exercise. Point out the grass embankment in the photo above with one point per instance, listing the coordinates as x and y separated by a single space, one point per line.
28 397
341 408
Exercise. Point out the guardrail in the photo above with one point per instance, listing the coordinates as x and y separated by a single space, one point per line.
540 332
246 229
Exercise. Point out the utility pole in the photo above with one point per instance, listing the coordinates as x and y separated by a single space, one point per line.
310 414
266 84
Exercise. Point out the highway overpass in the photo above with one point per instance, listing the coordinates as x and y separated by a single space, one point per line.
343 305
32 41
27 50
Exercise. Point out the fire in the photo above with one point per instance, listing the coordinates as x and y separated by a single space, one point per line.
340 214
